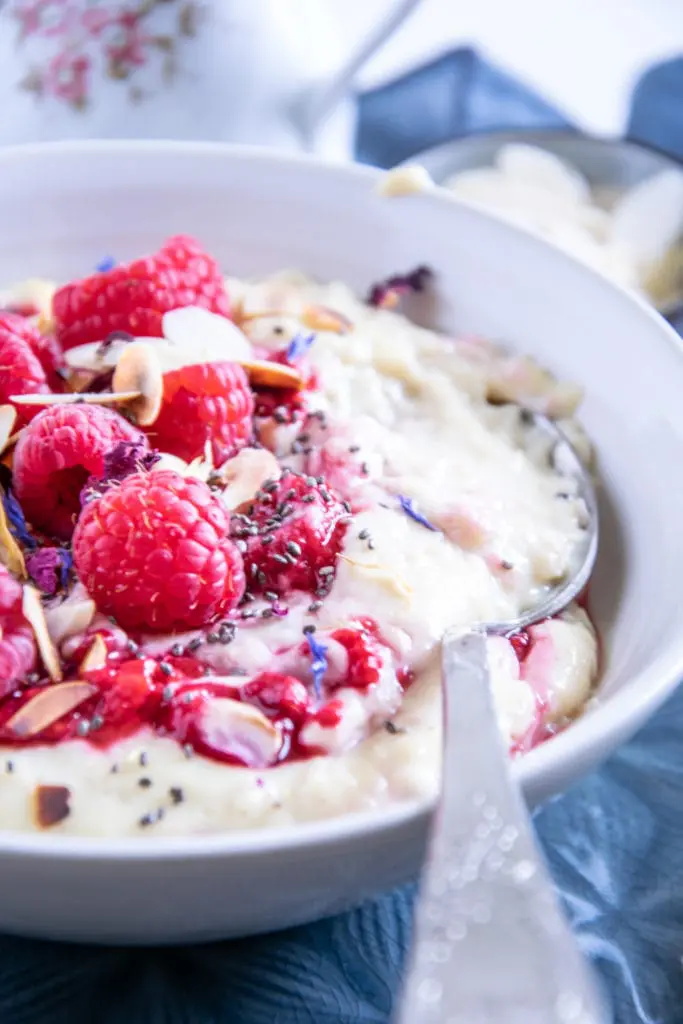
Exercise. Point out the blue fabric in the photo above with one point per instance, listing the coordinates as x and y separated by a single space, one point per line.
615 841
657 108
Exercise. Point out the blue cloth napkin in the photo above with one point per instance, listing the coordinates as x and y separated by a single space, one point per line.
614 842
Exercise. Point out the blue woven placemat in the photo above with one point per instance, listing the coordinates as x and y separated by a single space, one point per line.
614 842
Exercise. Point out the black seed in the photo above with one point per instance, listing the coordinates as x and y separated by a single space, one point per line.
563 495
371 544
279 415
504 564
311 481
269 485
167 693
364 468
290 494
266 539
325 494
310 628
296 447
177 650
248 597
9 767
212 638
166 668
363 535
287 511
143 759
194 644
270 595
133 648
261 577
188 750
249 614
327 570
176 794
267 613
320 479
144 782
226 632
83 727
308 498
347 506
353 448
315 606
96 722
114 769
392 729
304 438
279 558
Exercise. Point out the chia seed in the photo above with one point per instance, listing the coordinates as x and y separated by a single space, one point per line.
267 539
261 577
291 494
248 597
188 750
280 558
166 668
96 722
167 693
83 727
364 468
279 415
504 564
353 448
194 644
267 613
311 481
143 759
133 648
114 769
9 767
315 606
212 638
226 632
309 628
249 613
176 794
347 506
144 782
363 535
270 595
392 729
151 818
270 486
177 650
242 546
327 570
308 498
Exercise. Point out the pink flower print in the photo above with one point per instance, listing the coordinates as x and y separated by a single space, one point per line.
95 20
67 78
128 48
47 18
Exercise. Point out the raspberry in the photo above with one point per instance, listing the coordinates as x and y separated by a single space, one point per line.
209 402
133 297
57 453
21 371
17 644
154 553
301 526
278 695
364 654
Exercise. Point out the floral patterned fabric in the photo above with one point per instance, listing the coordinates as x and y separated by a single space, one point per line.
69 44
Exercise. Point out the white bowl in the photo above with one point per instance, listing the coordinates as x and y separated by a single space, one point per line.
62 208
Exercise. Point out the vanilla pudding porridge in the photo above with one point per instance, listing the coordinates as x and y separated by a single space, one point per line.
237 518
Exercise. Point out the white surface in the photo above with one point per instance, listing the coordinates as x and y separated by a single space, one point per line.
329 221
582 55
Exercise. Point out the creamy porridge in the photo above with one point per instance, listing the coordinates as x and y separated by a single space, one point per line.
233 545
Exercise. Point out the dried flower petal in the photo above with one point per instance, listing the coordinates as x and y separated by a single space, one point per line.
299 346
385 294
49 569
410 510
17 521
319 662
128 457
105 264
11 554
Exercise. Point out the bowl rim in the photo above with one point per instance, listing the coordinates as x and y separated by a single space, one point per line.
504 135
624 712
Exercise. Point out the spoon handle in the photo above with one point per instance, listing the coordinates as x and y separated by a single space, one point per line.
491 945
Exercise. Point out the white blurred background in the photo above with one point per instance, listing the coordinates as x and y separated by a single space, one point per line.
582 55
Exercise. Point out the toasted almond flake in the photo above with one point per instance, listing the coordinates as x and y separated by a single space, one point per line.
139 370
69 618
405 181
51 804
11 554
8 417
245 474
265 374
74 398
240 728
96 656
261 314
32 608
47 706
321 318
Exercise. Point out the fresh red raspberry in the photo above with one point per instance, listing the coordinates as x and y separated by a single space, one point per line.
133 297
155 553
55 456
21 372
278 696
17 643
301 526
365 654
208 402
45 348
286 405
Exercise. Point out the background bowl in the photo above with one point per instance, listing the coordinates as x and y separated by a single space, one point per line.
63 207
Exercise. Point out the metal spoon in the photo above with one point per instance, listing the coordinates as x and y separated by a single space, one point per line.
491 945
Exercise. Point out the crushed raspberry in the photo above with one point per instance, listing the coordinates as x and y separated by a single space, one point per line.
133 297
55 456
155 553
280 695
208 402
365 654
17 643
21 371
286 405
522 643
293 535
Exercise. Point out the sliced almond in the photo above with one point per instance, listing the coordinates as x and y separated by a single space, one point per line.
245 474
240 729
32 608
321 318
96 657
47 706
11 554
51 805
8 417
139 370
80 397
95 356
265 374
381 574
69 618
